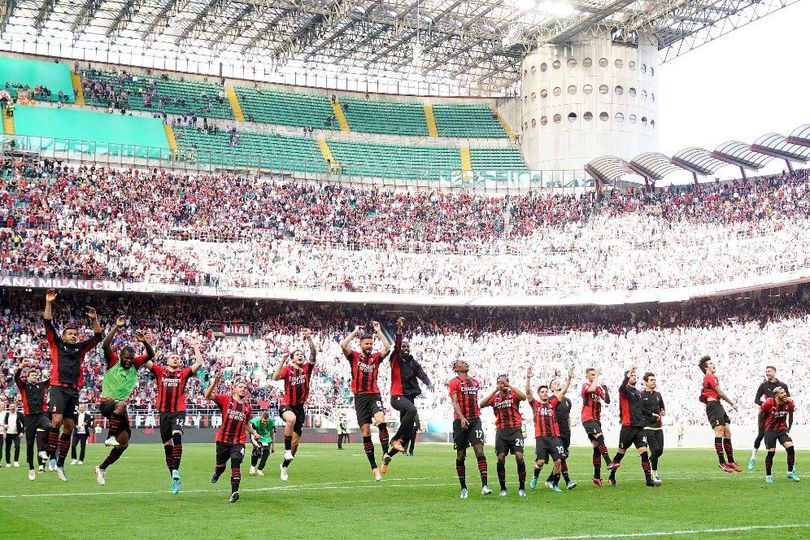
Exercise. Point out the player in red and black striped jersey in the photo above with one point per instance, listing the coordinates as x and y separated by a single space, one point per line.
230 439
548 444
505 401
467 430
32 393
631 414
67 355
367 399
296 376
171 403
765 391
710 394
405 376
778 412
592 395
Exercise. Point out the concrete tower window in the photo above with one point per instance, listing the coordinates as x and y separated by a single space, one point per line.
632 118
572 90
572 62
619 117
543 93
572 117
603 116
534 96
644 68
557 118
652 71
543 67
652 97
632 65
557 91
543 120
556 64
618 63
534 123
652 123
603 89
643 120
534 70
603 62
643 94
587 62
587 89
618 90
588 116
631 92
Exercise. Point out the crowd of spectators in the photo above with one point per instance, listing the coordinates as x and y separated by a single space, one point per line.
249 231
743 335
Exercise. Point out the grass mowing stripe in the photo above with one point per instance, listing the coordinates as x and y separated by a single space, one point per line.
747 528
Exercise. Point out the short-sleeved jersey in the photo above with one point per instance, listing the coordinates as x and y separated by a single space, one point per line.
767 388
652 403
545 417
235 417
67 359
631 411
296 383
32 395
710 386
564 416
171 388
119 382
776 414
507 410
592 403
364 372
264 429
466 391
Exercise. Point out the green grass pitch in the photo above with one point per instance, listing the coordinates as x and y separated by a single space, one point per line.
331 494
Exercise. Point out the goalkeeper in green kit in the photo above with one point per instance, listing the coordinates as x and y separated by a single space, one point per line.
264 445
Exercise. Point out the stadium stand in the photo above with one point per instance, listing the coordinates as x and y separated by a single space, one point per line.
394 161
41 81
250 149
467 121
385 116
89 132
287 108
497 161
124 90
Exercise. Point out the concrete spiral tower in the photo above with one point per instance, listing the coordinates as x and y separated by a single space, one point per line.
588 99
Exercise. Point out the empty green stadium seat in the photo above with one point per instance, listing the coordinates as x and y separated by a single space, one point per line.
287 108
467 121
384 116
496 163
393 161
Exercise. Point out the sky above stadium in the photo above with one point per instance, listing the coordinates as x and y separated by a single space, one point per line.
750 82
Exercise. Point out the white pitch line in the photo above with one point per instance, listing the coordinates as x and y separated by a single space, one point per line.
678 532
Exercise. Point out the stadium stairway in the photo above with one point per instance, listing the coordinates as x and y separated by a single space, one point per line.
76 80
8 124
466 163
327 155
505 124
340 115
236 107
170 138
430 117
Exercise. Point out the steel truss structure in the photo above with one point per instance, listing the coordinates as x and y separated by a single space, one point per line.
479 42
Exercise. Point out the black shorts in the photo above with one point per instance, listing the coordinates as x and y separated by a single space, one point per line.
171 422
632 436
508 441
716 414
33 422
472 436
771 437
655 440
545 447
64 401
592 427
106 409
226 451
366 406
565 438
300 416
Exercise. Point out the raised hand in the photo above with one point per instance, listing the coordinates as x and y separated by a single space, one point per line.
140 336
285 357
91 313
529 373
120 321
358 329
194 341
306 333
400 322
375 325
571 373
50 295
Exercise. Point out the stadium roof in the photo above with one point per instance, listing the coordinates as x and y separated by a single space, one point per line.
478 41
654 166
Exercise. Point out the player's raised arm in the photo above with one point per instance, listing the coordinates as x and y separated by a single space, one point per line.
607 394
209 392
567 384
345 343
147 347
313 351
198 357
529 395
278 373
93 316
50 298
386 345
106 345
487 401
623 386
518 393
595 384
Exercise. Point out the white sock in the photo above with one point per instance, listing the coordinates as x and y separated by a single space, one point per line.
754 453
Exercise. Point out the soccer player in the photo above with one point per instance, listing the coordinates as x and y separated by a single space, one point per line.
263 445
296 392
564 423
67 378
718 419
765 391
631 413
467 430
592 396
32 394
367 398
119 381
654 411
230 438
171 403
546 430
505 401
405 376
778 412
